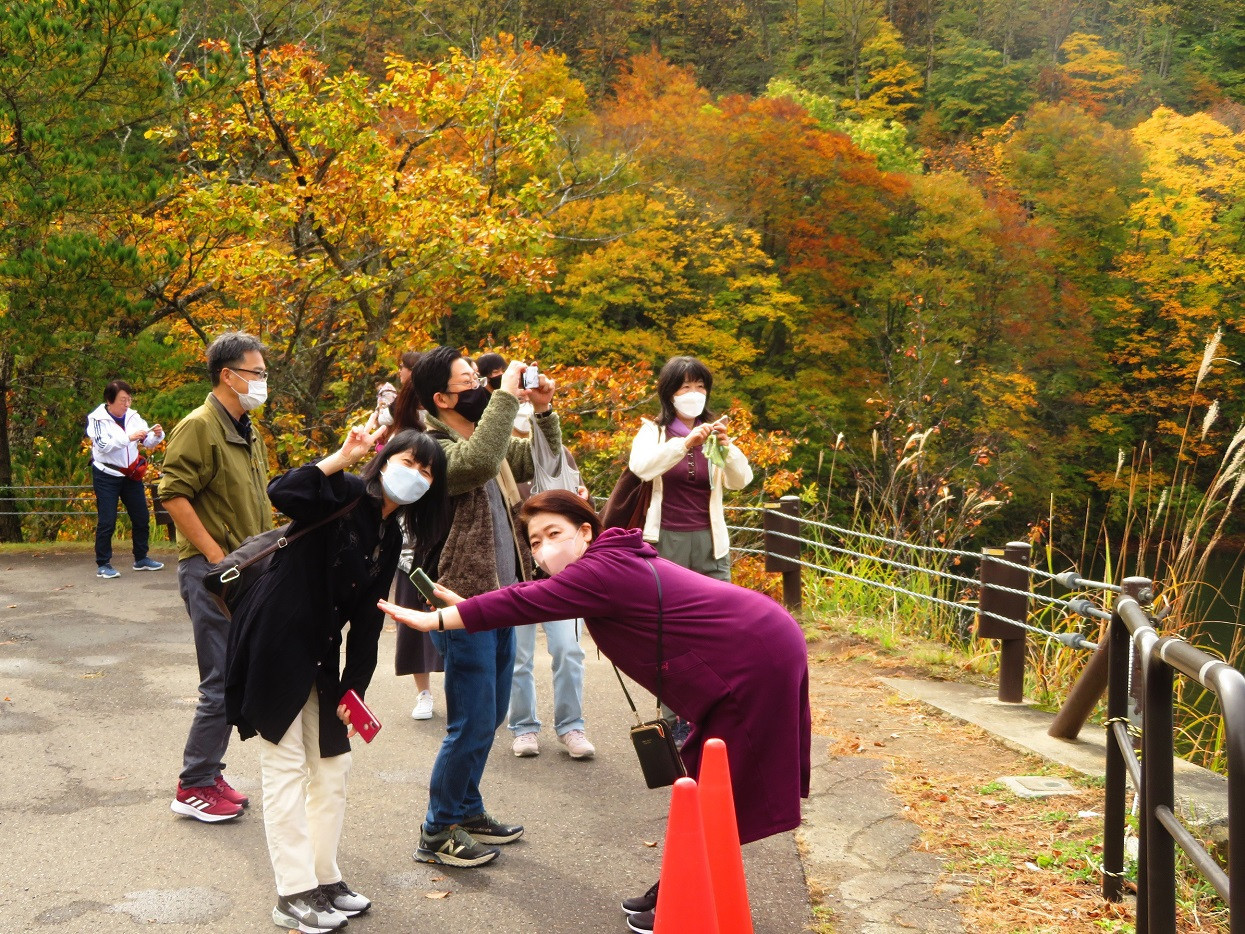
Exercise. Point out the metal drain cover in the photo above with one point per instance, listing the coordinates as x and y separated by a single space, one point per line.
1038 786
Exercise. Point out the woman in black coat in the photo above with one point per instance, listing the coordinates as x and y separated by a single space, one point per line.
285 644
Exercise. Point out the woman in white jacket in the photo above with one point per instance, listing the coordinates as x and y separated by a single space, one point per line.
685 519
116 431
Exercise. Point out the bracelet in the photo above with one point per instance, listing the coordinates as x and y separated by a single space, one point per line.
440 622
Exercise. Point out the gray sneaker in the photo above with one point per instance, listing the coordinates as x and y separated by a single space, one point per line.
107 571
345 899
309 912
453 847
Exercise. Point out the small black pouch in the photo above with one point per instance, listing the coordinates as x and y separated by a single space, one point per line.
654 743
660 760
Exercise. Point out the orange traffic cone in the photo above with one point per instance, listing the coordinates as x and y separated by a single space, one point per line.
726 862
685 896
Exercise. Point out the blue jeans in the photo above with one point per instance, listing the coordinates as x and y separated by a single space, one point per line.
109 489
562 637
478 671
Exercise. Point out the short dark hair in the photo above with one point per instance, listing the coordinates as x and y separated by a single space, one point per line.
229 349
116 386
570 506
409 359
676 372
487 363
431 374
427 520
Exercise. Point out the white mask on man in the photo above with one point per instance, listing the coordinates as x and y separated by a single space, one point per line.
255 396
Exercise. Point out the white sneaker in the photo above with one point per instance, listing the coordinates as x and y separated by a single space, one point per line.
577 744
423 706
525 745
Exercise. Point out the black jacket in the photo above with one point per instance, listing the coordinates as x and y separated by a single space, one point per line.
286 635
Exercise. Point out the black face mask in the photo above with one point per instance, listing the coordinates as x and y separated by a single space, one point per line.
471 403
494 382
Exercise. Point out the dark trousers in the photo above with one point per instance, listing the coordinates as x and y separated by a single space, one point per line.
203 758
108 491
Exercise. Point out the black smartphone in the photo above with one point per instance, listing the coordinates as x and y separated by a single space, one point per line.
423 583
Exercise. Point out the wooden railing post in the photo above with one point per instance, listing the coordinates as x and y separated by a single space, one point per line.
781 552
997 603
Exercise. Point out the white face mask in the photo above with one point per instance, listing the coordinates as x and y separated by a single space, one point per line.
553 557
403 485
255 395
690 404
523 421
385 417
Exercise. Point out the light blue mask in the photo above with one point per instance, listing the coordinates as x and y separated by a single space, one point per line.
403 485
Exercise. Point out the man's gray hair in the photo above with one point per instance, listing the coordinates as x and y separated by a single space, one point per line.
228 351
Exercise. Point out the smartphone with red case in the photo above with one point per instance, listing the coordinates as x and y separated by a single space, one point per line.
361 718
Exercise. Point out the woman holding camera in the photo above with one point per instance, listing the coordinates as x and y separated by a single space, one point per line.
685 517
735 662
285 641
116 432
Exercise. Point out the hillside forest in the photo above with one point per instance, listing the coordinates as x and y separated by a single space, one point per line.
963 269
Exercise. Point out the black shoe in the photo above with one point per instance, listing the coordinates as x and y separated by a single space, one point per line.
641 903
345 899
641 923
487 829
309 912
453 847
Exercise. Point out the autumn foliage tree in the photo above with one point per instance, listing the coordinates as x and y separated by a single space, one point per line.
336 216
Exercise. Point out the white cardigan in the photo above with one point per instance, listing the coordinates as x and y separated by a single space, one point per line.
652 454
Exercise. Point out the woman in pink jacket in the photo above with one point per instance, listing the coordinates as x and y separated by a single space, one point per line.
736 664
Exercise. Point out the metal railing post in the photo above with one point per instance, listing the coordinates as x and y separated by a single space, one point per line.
1156 876
1083 696
782 553
1116 789
1010 606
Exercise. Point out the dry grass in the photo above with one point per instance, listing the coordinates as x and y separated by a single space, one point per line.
1031 865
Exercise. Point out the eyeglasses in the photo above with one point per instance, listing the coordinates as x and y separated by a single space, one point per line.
261 374
476 383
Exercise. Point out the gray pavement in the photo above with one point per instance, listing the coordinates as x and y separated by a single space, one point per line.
97 685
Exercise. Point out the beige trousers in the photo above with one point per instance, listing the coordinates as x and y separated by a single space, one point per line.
304 804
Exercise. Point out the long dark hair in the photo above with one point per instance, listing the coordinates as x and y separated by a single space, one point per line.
570 506
405 409
676 372
427 520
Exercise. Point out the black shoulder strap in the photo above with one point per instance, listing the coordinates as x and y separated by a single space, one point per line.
285 540
660 650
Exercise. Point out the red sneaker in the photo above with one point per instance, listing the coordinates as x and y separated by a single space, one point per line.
204 803
231 794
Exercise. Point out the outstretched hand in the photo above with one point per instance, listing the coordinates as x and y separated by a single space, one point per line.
414 619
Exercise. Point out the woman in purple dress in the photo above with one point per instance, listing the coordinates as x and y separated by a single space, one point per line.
736 663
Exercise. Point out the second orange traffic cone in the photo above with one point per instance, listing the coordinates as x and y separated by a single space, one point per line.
726 862
685 896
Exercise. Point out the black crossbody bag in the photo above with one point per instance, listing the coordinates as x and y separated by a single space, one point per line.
654 741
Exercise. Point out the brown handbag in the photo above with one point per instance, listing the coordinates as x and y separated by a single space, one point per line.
628 504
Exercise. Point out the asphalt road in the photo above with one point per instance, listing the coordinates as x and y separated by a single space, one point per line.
97 686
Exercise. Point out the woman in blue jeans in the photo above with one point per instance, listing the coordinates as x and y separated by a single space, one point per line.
117 432
566 655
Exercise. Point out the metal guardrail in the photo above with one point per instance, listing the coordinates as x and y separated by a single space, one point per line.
22 501
1163 659
1002 614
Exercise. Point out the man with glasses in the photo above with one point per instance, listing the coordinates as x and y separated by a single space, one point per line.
215 487
483 551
